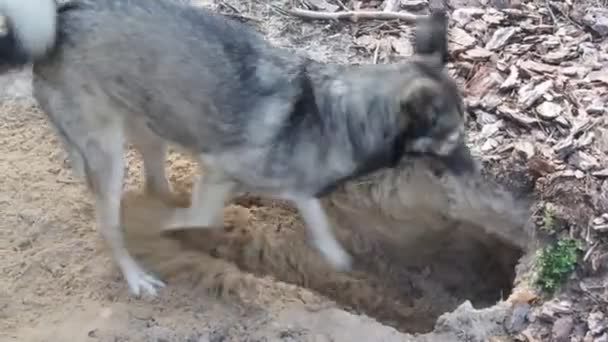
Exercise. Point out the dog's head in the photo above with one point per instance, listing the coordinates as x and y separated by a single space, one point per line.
431 111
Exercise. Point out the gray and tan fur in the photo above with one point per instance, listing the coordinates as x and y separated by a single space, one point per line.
257 117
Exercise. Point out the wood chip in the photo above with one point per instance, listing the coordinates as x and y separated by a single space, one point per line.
490 129
461 40
495 18
321 5
583 161
500 38
518 49
597 19
540 165
512 80
537 29
561 329
556 57
477 54
414 5
549 110
366 41
489 145
402 46
483 81
525 148
598 76
536 66
522 295
465 15
601 174
516 116
529 337
575 70
529 94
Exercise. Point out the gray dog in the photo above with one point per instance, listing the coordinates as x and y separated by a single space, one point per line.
256 117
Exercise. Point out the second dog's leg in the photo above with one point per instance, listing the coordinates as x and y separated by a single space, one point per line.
321 234
209 195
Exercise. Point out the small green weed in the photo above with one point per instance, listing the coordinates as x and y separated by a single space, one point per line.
556 261
548 219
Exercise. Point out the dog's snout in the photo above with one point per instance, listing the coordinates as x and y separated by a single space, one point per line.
460 160
449 144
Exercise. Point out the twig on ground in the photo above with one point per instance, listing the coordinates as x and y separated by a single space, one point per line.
565 15
343 5
391 5
276 8
376 51
67 181
236 13
354 16
553 17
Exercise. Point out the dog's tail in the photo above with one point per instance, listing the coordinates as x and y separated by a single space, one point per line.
32 28
431 37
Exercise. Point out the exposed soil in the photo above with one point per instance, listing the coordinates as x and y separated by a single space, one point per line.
436 257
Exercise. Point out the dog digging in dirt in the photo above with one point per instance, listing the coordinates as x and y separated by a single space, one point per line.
256 117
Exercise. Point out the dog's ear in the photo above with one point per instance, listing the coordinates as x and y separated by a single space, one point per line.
431 37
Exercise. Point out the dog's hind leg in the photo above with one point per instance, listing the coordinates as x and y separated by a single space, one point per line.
95 141
321 234
104 166
210 193
153 151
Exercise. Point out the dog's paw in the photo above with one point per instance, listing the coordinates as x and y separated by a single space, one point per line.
140 282
185 218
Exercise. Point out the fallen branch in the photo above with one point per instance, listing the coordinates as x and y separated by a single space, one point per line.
354 16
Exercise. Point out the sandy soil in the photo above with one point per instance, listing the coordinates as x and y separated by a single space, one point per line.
256 280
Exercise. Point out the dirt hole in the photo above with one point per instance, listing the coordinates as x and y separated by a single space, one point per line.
404 285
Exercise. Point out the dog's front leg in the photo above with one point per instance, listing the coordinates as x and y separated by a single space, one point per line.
209 195
321 234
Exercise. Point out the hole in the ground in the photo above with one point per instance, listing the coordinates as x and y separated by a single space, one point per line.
431 269
404 281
